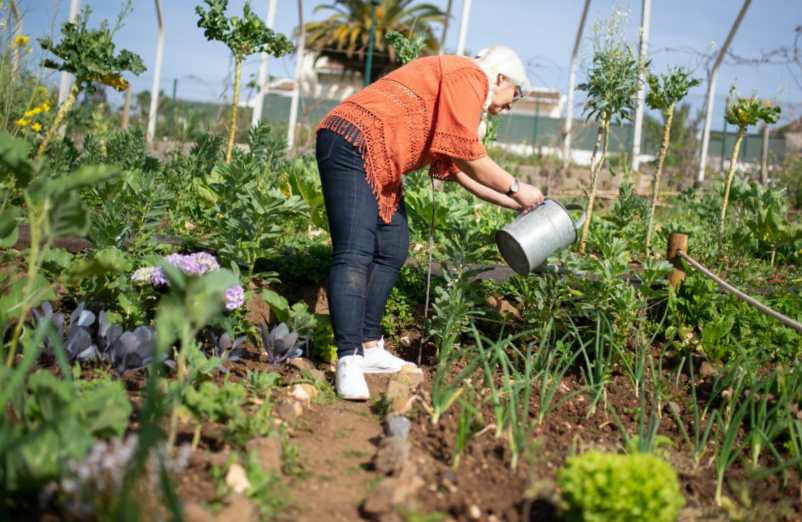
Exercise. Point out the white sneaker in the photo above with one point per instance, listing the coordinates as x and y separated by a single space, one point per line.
351 384
379 360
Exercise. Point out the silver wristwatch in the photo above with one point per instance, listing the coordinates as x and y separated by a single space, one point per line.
513 188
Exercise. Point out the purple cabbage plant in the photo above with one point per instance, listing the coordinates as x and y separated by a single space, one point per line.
226 348
108 343
282 344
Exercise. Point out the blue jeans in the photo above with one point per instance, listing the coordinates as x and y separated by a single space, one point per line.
367 253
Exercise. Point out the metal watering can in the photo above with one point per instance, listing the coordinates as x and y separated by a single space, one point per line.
527 242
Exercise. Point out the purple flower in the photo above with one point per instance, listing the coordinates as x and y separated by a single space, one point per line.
235 297
149 274
205 262
196 264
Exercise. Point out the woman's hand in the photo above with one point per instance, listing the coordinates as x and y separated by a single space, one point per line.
528 196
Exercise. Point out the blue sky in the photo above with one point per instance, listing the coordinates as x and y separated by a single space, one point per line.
542 31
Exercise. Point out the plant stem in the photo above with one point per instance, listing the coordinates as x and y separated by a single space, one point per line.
232 129
37 217
661 157
60 115
594 177
730 175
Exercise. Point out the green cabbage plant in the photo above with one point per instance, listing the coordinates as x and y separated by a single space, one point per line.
608 487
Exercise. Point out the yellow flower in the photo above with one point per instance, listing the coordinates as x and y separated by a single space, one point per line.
114 80
21 41
36 127
45 106
23 122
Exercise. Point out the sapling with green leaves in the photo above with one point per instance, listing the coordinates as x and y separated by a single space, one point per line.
243 36
611 87
406 49
665 91
87 54
743 113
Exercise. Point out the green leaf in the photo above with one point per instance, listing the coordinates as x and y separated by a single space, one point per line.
14 159
8 227
278 305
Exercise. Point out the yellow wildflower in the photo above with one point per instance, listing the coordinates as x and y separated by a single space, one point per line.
114 80
36 127
21 41
23 122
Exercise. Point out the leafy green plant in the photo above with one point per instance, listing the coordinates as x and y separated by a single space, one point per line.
244 36
56 420
665 91
613 82
608 487
53 208
87 54
743 113
407 49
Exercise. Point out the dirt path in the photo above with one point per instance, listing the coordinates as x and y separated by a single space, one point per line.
336 442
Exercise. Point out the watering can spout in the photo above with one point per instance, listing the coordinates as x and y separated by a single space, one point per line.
527 242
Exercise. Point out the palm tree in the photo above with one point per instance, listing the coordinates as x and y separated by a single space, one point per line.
343 36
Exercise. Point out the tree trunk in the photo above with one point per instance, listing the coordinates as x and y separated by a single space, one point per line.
232 130
60 115
595 167
736 148
661 157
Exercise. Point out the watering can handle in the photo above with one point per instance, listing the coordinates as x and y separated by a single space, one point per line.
581 221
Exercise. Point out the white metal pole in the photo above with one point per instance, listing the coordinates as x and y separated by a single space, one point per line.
569 108
463 26
711 90
66 80
446 23
155 89
15 54
645 22
256 117
296 93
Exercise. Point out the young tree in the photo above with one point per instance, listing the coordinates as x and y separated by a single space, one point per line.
664 93
243 36
87 54
743 112
611 88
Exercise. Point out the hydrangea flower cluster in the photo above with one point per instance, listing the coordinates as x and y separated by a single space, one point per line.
195 264
235 297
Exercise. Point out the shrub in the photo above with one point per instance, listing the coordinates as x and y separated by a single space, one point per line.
605 487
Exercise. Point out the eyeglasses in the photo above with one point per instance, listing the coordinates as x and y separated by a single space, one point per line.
519 94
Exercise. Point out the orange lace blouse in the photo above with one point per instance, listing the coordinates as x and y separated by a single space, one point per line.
424 113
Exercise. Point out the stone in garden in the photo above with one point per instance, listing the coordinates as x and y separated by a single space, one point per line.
474 513
503 307
316 375
194 512
397 426
237 479
707 370
268 450
304 393
289 410
301 363
393 492
392 456
239 509
411 375
399 396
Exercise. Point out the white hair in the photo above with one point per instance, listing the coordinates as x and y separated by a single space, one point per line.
494 61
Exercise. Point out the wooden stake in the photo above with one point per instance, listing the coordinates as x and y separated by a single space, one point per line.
676 242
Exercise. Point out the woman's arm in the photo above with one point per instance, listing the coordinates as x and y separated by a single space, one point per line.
486 193
488 173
